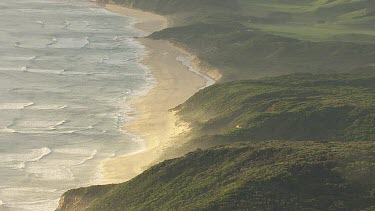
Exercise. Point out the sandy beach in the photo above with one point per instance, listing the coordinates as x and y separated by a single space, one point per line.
154 123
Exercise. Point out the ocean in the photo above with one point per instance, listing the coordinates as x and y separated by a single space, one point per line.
67 70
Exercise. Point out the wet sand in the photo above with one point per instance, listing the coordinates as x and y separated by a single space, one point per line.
154 123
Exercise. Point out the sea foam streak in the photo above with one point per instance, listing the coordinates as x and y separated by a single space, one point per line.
92 156
17 58
54 40
32 70
41 152
59 96
32 156
69 43
187 61
57 125
47 107
15 106
45 71
7 130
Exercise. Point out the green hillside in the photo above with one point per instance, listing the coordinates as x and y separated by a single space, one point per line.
264 176
317 101
241 53
248 39
254 173
338 107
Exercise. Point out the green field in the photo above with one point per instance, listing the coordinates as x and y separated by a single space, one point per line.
320 20
319 32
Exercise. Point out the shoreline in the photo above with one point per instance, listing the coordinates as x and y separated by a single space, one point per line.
154 122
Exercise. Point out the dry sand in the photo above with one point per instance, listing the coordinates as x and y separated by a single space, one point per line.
154 123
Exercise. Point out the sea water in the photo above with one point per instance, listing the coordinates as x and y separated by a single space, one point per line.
67 68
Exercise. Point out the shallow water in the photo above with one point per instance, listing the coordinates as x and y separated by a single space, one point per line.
67 68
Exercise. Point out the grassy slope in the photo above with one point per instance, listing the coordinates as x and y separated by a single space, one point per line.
264 176
317 20
241 53
247 39
292 107
250 39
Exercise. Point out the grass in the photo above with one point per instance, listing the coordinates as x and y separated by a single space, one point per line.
340 17
248 39
325 123
263 176
318 32
335 172
337 107
240 53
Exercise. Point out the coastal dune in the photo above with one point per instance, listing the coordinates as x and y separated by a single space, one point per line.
154 122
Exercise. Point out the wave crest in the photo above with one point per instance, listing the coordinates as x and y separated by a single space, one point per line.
15 106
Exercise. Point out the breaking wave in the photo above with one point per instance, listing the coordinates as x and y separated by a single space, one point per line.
34 155
15 106
54 40
92 156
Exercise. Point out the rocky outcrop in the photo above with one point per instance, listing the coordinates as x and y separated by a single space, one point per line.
79 199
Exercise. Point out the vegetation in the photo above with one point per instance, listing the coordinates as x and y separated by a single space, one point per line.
248 39
242 53
79 199
294 174
338 107
262 176
325 124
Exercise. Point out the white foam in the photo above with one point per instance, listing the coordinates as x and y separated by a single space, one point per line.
103 59
32 82
92 156
38 90
48 107
10 69
87 42
117 38
49 130
17 58
31 70
187 61
70 73
34 124
43 127
45 71
34 155
39 154
53 170
151 81
15 106
81 155
70 43
7 130
66 24
29 204
27 189
54 40
40 22
74 151
57 125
